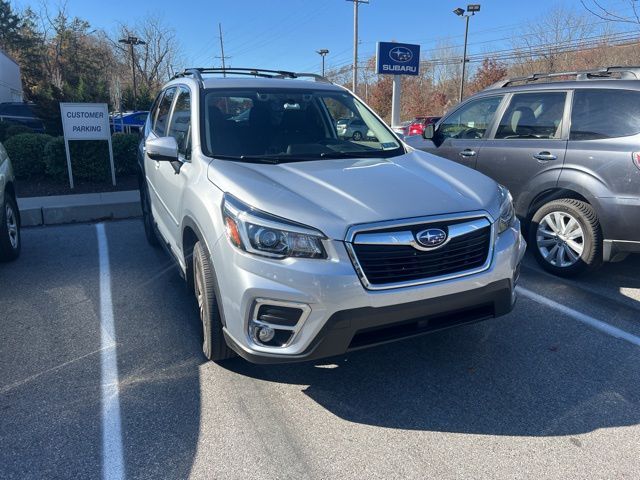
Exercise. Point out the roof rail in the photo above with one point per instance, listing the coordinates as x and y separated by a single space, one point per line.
626 73
252 72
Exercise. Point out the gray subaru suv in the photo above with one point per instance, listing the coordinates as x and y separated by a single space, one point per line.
569 152
300 243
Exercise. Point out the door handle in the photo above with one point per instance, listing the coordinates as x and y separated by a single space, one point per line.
545 156
468 153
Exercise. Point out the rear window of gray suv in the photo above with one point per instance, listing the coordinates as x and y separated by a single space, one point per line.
599 114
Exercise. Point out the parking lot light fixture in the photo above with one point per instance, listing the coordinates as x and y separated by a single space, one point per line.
323 53
131 41
472 9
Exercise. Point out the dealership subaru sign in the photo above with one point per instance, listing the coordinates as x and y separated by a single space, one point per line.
398 58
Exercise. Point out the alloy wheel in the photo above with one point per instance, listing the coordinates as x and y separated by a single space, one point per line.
560 239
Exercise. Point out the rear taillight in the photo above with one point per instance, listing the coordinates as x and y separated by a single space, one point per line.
636 158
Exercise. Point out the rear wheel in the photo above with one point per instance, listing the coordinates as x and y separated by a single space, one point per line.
357 135
10 241
566 237
214 345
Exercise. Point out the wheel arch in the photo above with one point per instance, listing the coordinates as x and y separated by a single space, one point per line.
190 235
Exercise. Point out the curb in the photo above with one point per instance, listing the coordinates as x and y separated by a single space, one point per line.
60 209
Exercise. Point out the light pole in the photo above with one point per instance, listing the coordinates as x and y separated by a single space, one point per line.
323 53
471 10
131 41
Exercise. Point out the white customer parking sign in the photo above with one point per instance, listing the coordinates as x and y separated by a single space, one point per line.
86 121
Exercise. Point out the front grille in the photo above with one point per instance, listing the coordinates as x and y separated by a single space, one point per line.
386 264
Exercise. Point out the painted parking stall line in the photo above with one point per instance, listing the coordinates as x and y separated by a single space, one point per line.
112 455
603 327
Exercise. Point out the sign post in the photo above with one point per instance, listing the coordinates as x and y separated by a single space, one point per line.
397 59
86 121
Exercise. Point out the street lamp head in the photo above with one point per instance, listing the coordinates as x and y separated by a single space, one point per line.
322 52
473 8
131 40
459 12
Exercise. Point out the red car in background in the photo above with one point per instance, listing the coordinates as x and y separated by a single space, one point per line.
416 127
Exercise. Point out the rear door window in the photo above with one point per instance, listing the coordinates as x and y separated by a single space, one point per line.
600 113
533 115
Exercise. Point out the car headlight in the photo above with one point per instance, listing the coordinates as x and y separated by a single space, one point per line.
262 234
507 212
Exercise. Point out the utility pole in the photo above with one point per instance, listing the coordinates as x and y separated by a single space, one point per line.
355 42
222 57
131 41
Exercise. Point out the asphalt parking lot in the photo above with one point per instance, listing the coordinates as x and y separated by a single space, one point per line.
540 393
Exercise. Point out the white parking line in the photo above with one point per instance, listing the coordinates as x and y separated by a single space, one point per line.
581 317
112 457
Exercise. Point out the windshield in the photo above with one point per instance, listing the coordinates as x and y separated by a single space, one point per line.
292 125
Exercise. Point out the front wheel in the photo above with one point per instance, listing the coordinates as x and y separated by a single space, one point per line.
214 345
10 241
566 237
357 136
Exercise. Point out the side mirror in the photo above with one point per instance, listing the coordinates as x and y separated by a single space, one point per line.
162 149
428 132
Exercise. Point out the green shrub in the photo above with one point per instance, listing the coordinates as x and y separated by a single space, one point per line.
90 160
16 129
55 159
4 125
26 152
125 151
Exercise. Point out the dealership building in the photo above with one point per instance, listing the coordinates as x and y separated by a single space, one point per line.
10 79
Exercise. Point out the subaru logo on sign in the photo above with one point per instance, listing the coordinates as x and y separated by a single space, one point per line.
431 238
400 54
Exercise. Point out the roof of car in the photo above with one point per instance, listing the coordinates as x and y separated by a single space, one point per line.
235 82
254 78
569 84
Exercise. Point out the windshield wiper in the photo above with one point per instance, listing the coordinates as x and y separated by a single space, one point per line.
360 154
248 158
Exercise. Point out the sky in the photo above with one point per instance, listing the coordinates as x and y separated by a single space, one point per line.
285 34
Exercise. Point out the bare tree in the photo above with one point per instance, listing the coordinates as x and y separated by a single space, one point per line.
549 39
596 8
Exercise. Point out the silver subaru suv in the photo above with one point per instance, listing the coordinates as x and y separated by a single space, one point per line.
300 243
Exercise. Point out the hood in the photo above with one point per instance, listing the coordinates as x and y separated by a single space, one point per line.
331 195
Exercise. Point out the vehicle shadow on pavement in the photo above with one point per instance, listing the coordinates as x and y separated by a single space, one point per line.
510 376
613 283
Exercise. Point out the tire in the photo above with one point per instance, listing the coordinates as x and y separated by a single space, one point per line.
566 237
147 214
10 239
357 136
214 345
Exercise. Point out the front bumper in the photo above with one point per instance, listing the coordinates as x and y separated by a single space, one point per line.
344 316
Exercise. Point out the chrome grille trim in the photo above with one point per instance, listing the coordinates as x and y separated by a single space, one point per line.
357 234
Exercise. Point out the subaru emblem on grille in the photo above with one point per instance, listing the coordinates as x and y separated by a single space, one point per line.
431 238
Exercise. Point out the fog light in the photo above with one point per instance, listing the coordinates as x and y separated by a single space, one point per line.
266 334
